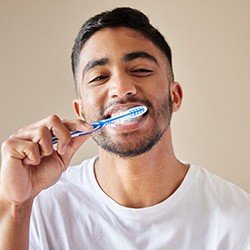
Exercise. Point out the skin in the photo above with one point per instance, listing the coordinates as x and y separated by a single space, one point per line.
151 177
31 164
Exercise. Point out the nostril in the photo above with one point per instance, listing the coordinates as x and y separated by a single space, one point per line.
121 89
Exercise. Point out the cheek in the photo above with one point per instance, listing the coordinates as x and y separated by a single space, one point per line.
160 90
92 102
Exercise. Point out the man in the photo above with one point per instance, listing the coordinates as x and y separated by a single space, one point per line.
136 194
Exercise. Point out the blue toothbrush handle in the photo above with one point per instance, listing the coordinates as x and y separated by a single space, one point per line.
76 133
133 112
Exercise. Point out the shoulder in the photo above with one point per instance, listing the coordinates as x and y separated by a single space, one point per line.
221 189
212 189
229 201
225 204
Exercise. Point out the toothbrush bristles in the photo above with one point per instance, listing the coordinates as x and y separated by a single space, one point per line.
131 113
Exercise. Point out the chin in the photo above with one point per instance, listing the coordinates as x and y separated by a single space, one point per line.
128 144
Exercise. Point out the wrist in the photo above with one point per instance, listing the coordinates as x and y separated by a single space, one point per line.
16 211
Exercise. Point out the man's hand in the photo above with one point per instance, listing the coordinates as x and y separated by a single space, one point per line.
30 163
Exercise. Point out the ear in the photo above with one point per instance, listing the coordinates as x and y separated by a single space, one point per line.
176 95
77 106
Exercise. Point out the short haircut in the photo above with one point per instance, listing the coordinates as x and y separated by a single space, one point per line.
119 17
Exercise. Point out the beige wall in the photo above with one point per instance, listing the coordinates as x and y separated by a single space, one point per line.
211 49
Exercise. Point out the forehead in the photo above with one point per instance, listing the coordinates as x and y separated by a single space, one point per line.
114 43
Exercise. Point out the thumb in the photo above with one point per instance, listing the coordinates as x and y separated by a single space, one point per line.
70 149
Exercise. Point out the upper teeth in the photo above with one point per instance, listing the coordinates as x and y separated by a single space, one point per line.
124 120
127 120
116 114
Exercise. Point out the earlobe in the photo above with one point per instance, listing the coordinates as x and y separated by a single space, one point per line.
77 106
176 96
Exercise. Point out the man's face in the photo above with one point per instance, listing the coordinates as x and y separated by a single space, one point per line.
119 69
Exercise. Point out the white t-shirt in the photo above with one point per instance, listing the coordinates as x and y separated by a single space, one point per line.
205 212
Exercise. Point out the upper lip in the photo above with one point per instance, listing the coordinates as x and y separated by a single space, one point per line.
119 108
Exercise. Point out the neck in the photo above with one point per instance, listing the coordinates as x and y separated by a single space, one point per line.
143 180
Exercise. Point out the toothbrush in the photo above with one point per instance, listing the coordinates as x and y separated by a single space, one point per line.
130 113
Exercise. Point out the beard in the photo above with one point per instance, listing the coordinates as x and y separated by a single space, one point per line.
133 143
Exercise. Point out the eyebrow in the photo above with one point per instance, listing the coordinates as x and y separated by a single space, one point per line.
126 58
95 62
139 54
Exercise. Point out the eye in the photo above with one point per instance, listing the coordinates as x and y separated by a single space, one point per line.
99 79
141 72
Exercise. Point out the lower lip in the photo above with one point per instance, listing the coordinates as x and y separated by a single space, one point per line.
129 126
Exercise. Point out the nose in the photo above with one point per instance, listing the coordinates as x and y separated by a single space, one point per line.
122 87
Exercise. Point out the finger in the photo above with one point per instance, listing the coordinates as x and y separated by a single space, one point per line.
26 151
79 125
44 141
40 135
59 130
73 146
42 132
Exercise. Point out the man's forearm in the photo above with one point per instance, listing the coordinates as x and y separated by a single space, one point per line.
14 225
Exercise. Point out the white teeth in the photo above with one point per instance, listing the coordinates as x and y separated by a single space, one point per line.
126 120
116 114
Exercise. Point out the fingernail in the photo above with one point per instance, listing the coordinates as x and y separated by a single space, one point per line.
88 125
63 150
